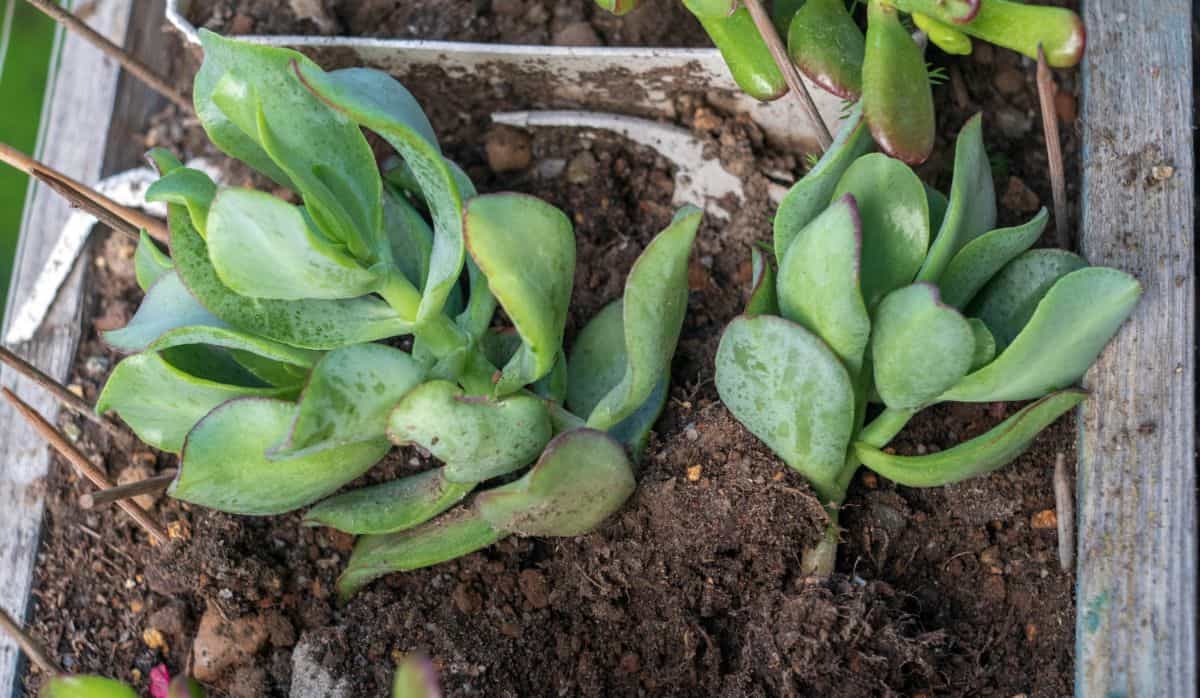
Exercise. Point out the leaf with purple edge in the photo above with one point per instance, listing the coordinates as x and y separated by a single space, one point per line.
897 96
920 347
827 45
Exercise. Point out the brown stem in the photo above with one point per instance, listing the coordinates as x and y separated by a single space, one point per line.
84 197
135 67
1064 506
766 29
84 466
1058 184
28 645
150 485
58 391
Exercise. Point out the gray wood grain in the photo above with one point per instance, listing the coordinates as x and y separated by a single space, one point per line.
75 129
1136 602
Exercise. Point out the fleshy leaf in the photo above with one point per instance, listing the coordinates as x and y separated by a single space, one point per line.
582 477
711 8
376 105
953 11
188 187
236 340
270 371
455 534
416 678
389 507
985 344
350 393
312 324
224 465
746 55
895 222
979 260
897 97
85 687
653 306
1068 330
972 204
410 236
526 249
790 390
1022 27
943 35
162 403
149 262
163 160
634 431
978 456
828 47
814 191
167 306
819 282
476 437
1007 301
920 347
763 298
262 247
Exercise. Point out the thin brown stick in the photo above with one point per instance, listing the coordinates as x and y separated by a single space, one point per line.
83 196
766 28
28 645
1058 184
150 485
84 466
138 69
57 390
1064 505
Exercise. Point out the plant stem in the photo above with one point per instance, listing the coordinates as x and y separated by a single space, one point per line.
766 28
820 560
885 426
1058 183
440 334
28 645
138 69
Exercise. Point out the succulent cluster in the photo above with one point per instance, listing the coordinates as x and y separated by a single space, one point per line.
884 67
257 352
887 292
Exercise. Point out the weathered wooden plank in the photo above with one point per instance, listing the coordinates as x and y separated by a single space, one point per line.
1136 622
74 133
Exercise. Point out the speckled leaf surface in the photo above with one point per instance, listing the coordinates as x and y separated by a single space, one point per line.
1006 303
920 347
979 260
167 306
391 506
971 208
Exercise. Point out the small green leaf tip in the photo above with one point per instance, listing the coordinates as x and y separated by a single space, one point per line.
416 678
85 687
619 7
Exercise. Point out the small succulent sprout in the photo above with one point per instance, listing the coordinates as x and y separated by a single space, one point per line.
826 44
942 35
256 352
619 7
416 678
86 687
867 309
896 95
745 53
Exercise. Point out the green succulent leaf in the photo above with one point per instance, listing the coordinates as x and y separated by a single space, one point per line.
410 237
167 306
985 344
526 249
235 340
943 35
791 391
819 282
270 371
938 203
953 11
161 403
224 465
1007 301
746 54
582 477
163 160
392 506
262 247
827 45
187 187
980 455
476 437
895 222
149 262
415 678
814 191
920 347
85 687
452 535
349 396
979 260
1021 27
381 105
653 307
763 298
897 96
311 324
972 205
1069 328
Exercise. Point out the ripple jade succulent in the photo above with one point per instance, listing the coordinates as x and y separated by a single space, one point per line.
257 353
887 292
884 67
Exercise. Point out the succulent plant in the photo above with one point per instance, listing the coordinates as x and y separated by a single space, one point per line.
887 292
884 67
258 354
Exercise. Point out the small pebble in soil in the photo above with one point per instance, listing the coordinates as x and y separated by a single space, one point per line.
581 168
136 473
577 34
96 366
1009 81
1044 520
1019 197
1162 172
694 472
508 149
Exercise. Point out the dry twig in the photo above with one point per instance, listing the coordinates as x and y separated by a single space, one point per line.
150 485
28 645
1058 184
1064 505
57 390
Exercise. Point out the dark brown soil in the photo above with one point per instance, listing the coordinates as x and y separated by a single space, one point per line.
692 589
